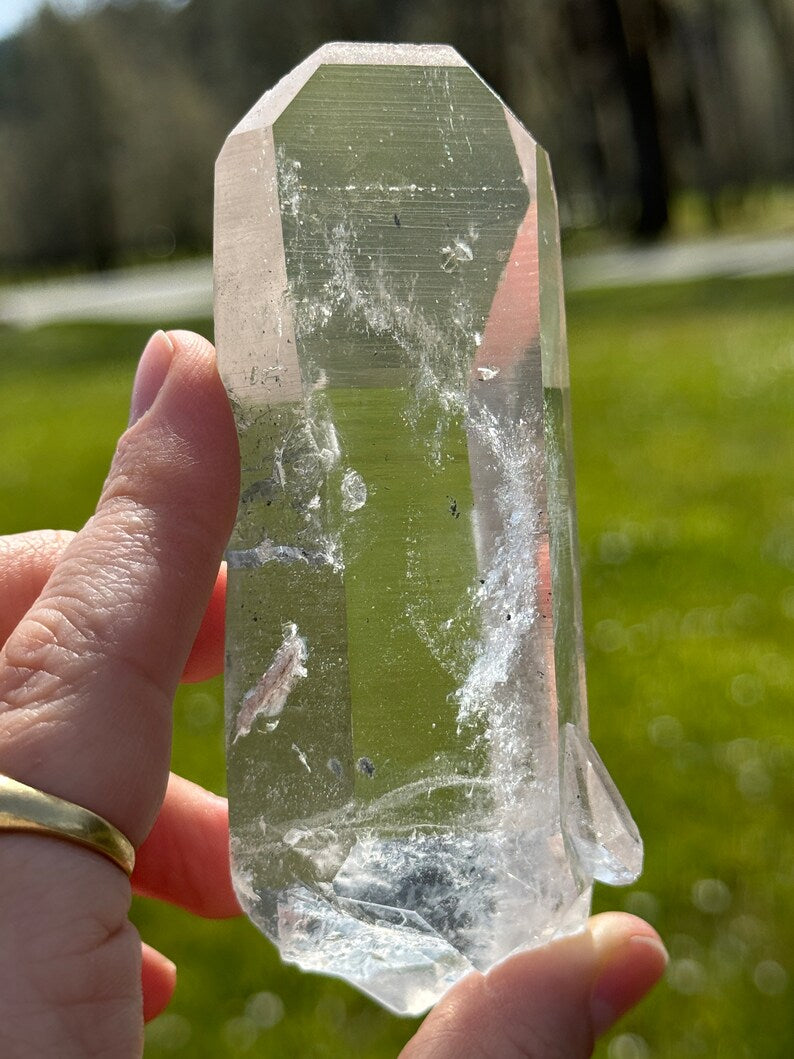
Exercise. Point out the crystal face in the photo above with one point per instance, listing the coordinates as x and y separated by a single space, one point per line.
412 790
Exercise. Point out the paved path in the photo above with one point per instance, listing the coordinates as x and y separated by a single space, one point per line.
156 293
162 293
670 262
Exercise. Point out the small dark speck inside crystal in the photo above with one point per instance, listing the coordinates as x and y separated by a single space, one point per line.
365 766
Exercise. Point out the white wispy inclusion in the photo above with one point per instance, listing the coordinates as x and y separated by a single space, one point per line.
509 589
354 491
267 552
268 697
408 800
373 300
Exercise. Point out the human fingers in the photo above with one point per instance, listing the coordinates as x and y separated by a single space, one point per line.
88 675
86 683
550 1002
206 655
158 980
28 559
185 859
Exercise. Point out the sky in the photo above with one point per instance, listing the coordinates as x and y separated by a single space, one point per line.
14 12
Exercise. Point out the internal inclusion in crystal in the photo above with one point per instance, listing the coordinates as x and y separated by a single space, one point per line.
412 790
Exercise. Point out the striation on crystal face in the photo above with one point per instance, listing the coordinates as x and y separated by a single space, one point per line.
413 793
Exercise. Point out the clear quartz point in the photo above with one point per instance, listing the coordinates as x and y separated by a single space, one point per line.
412 790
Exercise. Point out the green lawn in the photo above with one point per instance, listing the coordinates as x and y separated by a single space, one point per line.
683 403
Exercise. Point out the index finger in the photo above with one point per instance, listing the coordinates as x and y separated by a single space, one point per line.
28 559
26 562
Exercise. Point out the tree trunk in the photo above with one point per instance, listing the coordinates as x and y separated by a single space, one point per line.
633 67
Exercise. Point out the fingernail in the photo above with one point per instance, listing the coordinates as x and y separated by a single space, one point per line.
150 375
627 975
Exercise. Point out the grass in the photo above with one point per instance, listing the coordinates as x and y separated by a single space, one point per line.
684 434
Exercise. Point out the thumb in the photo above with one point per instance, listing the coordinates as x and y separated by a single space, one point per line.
550 1002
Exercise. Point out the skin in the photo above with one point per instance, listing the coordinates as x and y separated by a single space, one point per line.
97 629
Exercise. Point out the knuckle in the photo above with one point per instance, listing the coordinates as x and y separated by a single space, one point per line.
161 509
42 658
146 470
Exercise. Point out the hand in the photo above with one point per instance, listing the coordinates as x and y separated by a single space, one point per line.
548 1003
99 627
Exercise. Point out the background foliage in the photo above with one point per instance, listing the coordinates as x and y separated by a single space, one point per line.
109 122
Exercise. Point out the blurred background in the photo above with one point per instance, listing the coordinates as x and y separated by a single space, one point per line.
669 124
659 114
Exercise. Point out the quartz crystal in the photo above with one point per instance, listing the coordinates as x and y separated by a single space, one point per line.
412 790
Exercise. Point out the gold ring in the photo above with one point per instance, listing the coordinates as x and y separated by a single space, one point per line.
24 808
